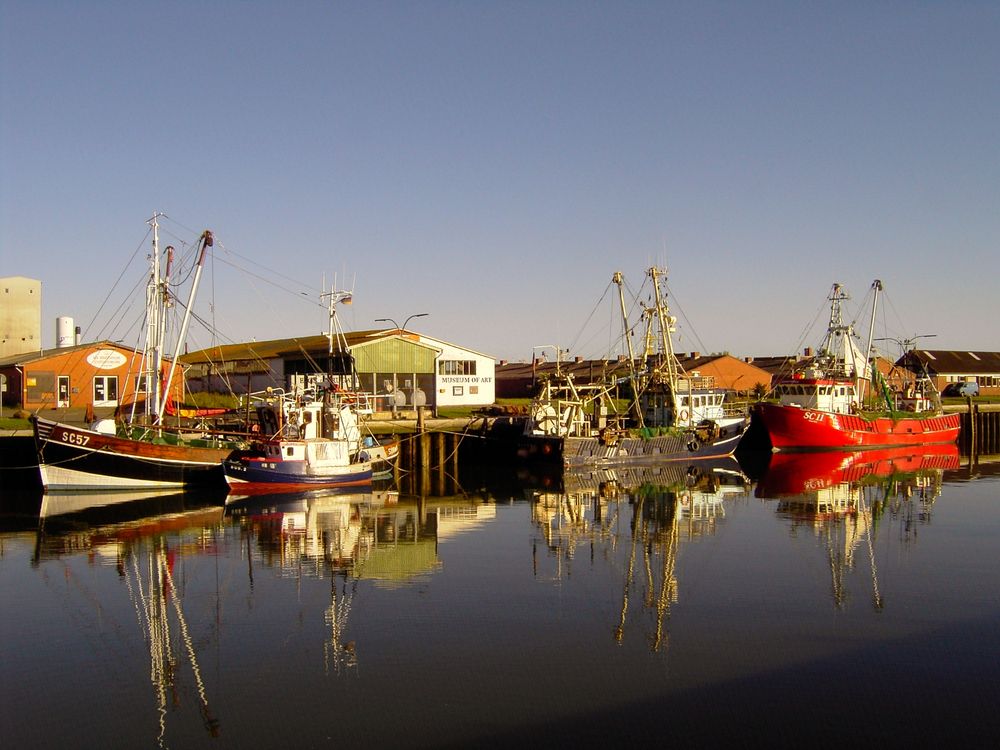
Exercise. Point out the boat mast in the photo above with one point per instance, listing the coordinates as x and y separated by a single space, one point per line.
876 287
153 354
836 325
665 321
619 279
335 331
207 240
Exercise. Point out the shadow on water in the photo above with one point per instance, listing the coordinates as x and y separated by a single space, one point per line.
891 704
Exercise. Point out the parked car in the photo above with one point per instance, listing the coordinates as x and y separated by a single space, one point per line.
961 389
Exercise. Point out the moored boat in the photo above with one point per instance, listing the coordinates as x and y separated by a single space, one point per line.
833 403
142 453
306 442
73 458
673 415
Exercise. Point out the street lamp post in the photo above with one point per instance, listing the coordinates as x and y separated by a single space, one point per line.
401 328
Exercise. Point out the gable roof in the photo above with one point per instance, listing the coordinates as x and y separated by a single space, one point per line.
942 362
275 348
586 370
282 348
27 358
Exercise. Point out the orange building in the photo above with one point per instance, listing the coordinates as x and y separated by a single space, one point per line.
727 371
98 375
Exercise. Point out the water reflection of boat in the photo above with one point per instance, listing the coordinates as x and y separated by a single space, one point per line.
641 514
789 473
123 504
716 474
374 534
348 537
105 524
844 496
319 525
147 552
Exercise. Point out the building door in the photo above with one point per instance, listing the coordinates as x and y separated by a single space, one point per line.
105 390
62 392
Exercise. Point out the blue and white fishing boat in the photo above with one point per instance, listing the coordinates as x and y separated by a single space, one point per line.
307 441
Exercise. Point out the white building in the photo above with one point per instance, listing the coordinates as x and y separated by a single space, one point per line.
404 369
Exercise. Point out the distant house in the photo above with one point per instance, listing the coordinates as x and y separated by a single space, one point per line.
100 375
519 379
946 367
729 372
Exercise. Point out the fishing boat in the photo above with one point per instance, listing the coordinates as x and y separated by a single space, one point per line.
307 441
673 415
832 402
138 451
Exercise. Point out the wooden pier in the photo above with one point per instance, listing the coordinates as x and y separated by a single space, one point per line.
980 433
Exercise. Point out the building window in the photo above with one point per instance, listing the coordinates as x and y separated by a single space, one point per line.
457 367
105 390
143 383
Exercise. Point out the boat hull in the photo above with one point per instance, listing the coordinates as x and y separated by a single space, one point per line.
574 452
253 475
77 459
793 428
384 456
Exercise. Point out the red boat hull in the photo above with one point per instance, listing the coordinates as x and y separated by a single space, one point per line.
793 428
799 473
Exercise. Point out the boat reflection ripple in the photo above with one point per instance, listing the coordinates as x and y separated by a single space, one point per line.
635 518
842 496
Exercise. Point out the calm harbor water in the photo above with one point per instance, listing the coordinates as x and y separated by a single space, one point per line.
821 600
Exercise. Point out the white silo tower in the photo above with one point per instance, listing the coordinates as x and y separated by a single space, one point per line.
65 332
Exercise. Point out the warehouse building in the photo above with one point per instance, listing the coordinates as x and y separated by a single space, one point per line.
404 369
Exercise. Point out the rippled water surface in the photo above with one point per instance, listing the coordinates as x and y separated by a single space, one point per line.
826 602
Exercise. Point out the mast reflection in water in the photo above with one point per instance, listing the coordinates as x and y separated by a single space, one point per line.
643 513
681 604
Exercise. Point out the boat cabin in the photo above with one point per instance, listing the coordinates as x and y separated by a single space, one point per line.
833 395
684 409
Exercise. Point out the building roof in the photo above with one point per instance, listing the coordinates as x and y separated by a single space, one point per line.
27 358
941 362
275 348
281 348
584 370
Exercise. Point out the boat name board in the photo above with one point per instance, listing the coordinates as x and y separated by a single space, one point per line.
73 438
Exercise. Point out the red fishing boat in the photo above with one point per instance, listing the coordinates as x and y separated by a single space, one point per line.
833 404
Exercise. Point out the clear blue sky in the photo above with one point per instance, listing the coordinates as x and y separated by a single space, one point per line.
494 163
